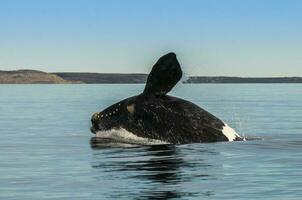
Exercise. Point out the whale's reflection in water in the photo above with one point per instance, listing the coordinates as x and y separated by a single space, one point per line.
150 172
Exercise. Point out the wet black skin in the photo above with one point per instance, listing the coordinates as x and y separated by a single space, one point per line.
153 114
164 118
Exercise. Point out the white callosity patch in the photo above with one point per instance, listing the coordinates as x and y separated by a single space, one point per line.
229 132
122 135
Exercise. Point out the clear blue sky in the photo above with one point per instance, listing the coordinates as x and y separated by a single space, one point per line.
210 37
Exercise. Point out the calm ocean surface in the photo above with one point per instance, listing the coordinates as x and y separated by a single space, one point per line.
46 153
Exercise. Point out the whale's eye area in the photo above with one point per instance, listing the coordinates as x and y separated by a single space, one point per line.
131 108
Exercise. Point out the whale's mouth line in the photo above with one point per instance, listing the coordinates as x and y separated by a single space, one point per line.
122 135
93 130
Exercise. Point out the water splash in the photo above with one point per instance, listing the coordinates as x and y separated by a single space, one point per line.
123 136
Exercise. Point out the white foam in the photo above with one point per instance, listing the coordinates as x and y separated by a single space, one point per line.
229 132
122 135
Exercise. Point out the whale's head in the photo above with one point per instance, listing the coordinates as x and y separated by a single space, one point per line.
114 116
109 118
164 75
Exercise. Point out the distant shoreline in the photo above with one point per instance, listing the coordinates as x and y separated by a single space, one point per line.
39 77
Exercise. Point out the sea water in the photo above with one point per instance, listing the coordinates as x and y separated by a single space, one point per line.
48 152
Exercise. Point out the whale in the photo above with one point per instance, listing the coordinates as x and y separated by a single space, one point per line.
154 116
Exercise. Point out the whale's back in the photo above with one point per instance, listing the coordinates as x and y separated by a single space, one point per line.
173 120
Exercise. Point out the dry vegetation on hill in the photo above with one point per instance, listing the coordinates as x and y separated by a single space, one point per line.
29 77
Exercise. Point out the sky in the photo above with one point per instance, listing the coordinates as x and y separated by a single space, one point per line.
250 38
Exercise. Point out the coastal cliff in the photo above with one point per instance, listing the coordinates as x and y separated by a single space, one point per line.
103 77
39 77
30 77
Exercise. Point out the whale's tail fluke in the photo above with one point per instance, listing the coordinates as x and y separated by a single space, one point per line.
164 75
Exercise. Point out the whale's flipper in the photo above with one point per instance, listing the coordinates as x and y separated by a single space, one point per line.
164 75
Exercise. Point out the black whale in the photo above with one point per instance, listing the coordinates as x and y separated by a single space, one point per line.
155 115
